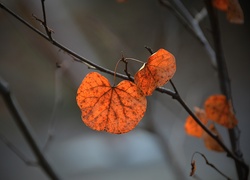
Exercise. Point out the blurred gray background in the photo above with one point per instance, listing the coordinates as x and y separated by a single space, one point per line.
101 31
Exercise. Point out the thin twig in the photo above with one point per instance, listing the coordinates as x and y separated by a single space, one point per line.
57 101
126 68
172 84
48 31
209 164
25 128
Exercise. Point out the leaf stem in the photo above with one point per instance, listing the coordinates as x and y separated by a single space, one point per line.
133 59
209 164
116 69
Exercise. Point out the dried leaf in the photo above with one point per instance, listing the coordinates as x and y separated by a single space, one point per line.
219 110
158 70
234 12
220 4
193 168
113 109
209 142
191 127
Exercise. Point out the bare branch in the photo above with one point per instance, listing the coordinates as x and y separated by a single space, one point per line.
191 23
48 31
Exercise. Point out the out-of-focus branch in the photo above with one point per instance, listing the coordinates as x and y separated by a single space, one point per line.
25 128
225 86
191 23
15 150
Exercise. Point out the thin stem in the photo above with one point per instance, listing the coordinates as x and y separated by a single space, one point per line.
133 59
48 31
57 102
126 68
209 164
116 69
172 84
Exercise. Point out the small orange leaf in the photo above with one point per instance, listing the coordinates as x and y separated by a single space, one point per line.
158 70
219 110
220 4
191 127
209 142
113 109
234 12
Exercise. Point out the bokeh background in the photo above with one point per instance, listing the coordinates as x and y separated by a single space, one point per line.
102 31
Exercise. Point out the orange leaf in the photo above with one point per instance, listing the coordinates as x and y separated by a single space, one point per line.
113 109
218 109
220 4
234 12
158 70
191 127
209 142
